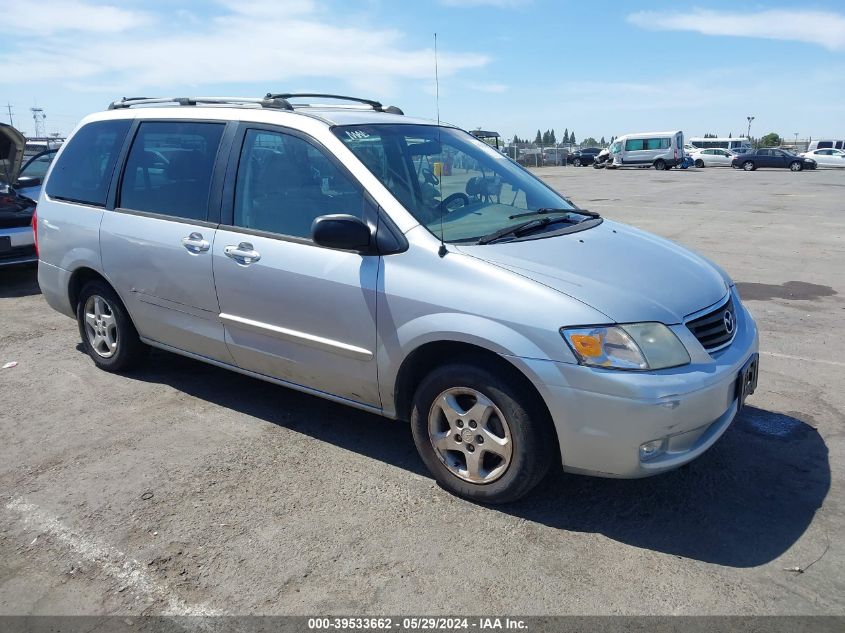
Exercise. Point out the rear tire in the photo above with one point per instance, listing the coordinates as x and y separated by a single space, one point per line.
699 163
748 166
795 166
108 334
481 436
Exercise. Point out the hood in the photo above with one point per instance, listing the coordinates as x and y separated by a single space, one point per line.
12 144
627 274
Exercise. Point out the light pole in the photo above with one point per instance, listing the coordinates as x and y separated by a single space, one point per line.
796 139
748 134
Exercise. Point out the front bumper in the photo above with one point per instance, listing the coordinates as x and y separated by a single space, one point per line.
602 417
22 249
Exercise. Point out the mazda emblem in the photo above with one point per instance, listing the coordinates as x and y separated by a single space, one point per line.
728 319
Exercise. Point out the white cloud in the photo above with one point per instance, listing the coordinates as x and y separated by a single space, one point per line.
250 41
492 88
499 4
46 17
823 28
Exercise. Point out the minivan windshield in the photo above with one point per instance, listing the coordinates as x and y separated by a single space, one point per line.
456 185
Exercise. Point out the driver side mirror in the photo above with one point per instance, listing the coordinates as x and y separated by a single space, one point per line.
341 231
27 181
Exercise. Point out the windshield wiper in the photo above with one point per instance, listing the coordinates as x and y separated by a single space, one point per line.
522 228
547 210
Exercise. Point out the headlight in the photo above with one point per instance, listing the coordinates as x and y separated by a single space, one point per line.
637 346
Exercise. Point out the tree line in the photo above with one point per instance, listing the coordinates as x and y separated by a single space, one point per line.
549 139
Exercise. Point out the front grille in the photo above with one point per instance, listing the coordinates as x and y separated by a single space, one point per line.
715 329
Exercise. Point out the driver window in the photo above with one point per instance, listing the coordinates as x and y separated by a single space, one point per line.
285 182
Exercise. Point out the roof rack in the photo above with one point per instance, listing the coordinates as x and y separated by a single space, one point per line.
267 102
375 105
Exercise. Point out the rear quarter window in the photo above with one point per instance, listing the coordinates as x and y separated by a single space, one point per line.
84 169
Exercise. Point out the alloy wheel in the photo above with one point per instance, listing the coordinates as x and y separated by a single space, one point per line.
470 435
101 326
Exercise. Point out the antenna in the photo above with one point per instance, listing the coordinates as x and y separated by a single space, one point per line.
442 250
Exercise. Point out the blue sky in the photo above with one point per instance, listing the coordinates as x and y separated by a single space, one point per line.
598 68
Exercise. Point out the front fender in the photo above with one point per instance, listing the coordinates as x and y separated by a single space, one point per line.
455 327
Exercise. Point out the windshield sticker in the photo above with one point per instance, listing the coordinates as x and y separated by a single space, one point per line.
357 135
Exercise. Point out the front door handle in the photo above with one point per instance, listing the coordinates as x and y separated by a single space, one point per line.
195 243
243 253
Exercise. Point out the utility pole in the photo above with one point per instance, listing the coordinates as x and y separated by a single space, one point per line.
38 117
9 108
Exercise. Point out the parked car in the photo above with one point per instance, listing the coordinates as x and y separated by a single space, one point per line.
712 157
661 150
826 157
17 243
583 157
293 244
772 157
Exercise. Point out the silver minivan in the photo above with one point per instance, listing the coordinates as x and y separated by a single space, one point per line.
398 266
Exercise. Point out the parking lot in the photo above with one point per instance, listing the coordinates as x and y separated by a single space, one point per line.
182 488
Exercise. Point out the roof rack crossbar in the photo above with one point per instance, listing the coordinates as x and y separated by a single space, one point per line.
268 102
375 105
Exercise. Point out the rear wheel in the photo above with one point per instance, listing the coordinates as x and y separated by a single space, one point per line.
748 166
699 162
107 332
795 166
481 436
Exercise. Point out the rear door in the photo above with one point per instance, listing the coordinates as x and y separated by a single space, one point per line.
156 242
293 310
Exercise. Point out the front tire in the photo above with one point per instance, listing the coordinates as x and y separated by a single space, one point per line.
748 166
699 163
660 165
577 162
108 334
795 166
481 437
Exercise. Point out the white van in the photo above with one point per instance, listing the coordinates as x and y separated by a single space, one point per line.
661 150
826 144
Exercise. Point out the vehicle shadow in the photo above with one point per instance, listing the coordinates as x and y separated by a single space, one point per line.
742 504
19 281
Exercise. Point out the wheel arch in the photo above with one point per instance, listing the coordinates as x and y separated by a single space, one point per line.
428 356
82 276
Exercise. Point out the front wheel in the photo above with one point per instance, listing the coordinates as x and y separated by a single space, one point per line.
577 162
748 166
108 334
480 436
660 165
699 163
795 166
